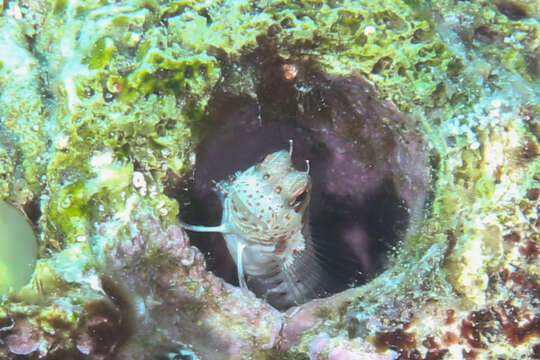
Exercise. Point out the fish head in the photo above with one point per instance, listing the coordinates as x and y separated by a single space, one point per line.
267 203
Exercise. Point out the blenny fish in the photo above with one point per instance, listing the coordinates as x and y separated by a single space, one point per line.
266 228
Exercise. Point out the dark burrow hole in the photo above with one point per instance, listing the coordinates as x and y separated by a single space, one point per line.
513 10
368 168
32 210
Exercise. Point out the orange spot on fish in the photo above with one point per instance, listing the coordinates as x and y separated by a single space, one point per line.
280 246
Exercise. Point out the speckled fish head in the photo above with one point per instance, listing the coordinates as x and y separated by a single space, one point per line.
268 201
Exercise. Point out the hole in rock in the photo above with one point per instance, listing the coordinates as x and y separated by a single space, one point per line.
367 166
513 10
32 210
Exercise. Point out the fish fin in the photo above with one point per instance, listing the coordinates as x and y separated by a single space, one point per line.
240 265
200 228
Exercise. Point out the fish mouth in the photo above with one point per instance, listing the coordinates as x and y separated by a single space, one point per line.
299 200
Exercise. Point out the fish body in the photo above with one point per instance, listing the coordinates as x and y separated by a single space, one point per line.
265 226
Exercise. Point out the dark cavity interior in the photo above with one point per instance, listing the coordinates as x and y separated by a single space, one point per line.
367 167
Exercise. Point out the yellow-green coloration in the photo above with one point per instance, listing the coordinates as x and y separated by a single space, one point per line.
101 53
158 70
18 249
73 201
506 36
6 168
134 80
94 95
125 95
474 204
23 115
389 41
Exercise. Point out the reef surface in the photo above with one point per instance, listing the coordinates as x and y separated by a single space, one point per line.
421 122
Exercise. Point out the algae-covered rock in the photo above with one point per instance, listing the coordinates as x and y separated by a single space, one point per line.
108 112
18 247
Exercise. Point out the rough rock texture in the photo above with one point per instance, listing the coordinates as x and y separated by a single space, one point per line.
102 105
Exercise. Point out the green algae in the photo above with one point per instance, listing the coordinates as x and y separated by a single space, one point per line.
6 169
503 33
101 53
118 106
137 80
18 249
123 90
23 114
158 70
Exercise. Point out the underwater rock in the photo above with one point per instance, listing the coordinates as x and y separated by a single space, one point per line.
18 246
103 106
23 339
367 164
175 302
66 311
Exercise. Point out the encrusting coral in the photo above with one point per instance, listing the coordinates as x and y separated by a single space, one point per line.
102 109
